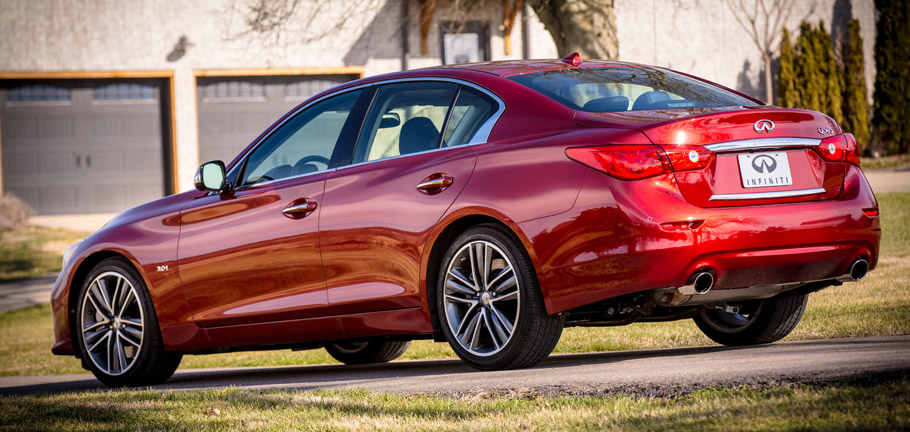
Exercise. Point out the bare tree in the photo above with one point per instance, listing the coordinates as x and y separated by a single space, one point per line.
763 21
268 23
584 26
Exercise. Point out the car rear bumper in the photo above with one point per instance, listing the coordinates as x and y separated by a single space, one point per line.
612 243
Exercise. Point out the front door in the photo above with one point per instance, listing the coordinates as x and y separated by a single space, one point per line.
410 163
252 254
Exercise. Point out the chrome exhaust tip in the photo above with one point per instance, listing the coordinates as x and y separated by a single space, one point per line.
700 283
857 271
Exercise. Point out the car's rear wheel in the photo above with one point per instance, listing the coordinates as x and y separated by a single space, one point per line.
365 352
117 330
755 322
489 304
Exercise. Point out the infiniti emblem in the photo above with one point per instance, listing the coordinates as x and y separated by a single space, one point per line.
764 164
763 126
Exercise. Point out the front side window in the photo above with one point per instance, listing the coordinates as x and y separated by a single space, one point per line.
405 118
304 144
615 89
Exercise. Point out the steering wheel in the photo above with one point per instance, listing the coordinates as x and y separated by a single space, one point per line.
314 158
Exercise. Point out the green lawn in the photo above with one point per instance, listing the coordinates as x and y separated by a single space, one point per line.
878 305
866 404
901 161
34 251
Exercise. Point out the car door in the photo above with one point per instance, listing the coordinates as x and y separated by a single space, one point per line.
251 254
410 162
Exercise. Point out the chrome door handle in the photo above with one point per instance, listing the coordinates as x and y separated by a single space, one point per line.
435 183
300 208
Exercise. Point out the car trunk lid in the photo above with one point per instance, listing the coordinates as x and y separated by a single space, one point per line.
740 155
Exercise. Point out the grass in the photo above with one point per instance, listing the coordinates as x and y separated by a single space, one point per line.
882 404
900 162
878 305
33 252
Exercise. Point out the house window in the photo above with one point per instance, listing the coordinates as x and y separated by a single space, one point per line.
234 90
300 90
464 42
123 91
33 93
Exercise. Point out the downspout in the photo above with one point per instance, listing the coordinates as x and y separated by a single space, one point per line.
525 33
405 35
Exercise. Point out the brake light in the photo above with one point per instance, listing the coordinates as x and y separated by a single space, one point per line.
688 157
625 162
841 148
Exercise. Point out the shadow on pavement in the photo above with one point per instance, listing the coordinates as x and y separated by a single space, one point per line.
336 376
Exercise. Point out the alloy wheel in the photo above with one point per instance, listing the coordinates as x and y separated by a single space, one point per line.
482 298
112 323
729 322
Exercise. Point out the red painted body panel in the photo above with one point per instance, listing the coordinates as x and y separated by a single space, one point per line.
244 274
375 223
242 260
611 242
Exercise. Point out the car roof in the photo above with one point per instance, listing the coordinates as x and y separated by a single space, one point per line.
509 68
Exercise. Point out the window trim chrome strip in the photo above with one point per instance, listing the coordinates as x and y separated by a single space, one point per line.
484 130
765 195
762 143
483 134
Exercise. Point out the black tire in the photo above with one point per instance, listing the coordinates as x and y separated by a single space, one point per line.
366 352
534 333
757 322
148 362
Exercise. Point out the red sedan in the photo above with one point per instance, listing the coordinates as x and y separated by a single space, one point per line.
488 205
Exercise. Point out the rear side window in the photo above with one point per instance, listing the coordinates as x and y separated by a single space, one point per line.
617 89
471 110
405 118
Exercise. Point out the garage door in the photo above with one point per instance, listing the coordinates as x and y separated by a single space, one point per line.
82 146
235 110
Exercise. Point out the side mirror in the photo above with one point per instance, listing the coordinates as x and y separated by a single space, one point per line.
210 176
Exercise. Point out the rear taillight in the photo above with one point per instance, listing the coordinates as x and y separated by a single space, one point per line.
626 162
841 148
688 157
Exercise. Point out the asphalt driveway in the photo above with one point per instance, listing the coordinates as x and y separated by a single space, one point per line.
659 372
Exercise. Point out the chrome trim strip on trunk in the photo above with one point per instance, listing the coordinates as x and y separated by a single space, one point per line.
764 195
763 143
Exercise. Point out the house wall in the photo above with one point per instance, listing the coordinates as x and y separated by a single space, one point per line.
695 36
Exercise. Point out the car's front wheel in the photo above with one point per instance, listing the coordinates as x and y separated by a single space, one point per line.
754 322
117 329
489 304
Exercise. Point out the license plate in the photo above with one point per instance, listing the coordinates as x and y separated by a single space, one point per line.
765 169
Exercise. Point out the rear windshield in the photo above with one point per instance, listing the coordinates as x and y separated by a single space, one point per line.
617 89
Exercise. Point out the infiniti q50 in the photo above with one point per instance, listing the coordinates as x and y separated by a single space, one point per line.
486 205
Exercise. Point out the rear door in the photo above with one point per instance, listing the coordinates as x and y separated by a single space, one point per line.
415 154
252 254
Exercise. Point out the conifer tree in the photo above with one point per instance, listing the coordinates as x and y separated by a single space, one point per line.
830 75
787 92
807 69
856 101
892 74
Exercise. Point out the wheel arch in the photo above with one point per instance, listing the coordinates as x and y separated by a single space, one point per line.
444 235
80 274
